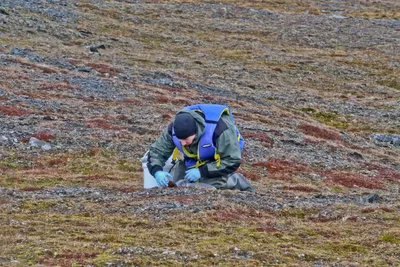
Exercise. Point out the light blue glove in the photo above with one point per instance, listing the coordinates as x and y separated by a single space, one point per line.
193 174
162 178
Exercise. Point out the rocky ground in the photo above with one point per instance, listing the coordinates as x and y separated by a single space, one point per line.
86 86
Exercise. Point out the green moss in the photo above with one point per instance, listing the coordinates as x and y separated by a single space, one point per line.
7 9
338 189
125 165
390 238
108 238
26 182
308 110
104 259
392 83
14 161
41 183
97 163
330 119
391 217
8 181
294 212
8 165
344 248
34 205
17 42
309 232
28 253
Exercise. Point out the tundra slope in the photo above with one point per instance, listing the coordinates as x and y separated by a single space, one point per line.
309 84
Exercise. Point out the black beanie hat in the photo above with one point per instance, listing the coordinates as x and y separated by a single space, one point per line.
184 125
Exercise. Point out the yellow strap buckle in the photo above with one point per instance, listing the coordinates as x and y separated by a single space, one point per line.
217 159
175 154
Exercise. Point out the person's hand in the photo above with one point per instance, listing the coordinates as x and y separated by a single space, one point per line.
192 174
162 178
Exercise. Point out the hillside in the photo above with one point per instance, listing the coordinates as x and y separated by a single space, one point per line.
314 87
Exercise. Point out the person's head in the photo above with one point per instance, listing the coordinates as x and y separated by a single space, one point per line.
185 128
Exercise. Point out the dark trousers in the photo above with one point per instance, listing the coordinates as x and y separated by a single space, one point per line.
231 181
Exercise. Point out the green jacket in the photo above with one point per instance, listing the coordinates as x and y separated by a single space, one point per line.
225 141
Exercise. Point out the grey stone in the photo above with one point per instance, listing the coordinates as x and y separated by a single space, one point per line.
386 139
4 12
372 198
95 48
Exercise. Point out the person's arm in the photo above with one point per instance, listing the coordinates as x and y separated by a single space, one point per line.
228 148
160 151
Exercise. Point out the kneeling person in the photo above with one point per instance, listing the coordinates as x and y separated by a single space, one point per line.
211 144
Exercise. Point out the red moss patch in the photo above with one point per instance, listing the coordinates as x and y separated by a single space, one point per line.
162 99
368 210
260 136
387 209
31 188
104 68
281 169
275 165
103 124
353 180
44 135
57 162
385 173
319 132
11 111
